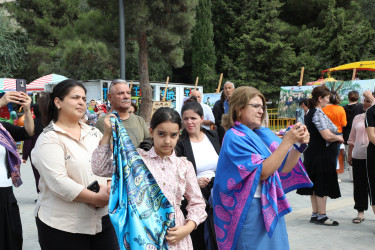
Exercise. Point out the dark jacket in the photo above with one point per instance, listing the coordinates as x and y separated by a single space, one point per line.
183 147
218 111
351 111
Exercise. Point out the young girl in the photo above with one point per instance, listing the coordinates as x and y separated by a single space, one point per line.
174 175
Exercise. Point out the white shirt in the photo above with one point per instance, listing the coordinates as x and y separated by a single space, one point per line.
64 165
208 115
4 180
205 157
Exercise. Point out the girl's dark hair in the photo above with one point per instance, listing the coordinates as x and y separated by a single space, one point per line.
222 98
191 99
304 101
46 102
134 106
194 106
319 91
334 98
165 115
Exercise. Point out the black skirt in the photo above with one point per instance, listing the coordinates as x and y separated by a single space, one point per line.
320 163
10 220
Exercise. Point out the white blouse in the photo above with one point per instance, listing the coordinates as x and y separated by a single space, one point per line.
205 157
4 180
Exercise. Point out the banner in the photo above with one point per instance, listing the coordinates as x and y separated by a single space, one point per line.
290 96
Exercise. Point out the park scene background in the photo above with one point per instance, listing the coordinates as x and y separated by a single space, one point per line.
259 43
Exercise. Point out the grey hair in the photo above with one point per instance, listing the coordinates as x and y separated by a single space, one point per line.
228 82
115 82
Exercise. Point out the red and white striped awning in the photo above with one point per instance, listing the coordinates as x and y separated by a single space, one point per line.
7 84
38 84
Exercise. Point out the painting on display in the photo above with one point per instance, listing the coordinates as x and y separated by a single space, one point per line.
170 96
211 98
291 95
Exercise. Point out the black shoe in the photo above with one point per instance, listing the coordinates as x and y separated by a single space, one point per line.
313 219
326 222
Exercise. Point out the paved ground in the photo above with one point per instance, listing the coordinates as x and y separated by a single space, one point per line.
302 234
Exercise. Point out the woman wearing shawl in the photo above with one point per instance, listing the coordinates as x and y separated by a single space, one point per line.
248 196
10 221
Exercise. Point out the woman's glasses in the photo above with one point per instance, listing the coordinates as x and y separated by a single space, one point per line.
258 106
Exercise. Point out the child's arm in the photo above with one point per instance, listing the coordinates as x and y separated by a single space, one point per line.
196 207
175 234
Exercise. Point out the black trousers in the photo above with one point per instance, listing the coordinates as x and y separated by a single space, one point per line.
54 239
360 185
10 221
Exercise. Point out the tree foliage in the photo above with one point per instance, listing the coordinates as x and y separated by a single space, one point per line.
203 48
262 43
12 47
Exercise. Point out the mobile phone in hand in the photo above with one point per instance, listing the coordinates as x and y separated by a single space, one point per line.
21 85
300 116
94 186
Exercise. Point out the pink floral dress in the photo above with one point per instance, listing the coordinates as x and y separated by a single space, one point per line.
176 178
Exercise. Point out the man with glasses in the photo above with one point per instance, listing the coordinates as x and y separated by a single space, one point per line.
120 97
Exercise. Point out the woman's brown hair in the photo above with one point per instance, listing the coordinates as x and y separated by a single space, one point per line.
239 100
319 91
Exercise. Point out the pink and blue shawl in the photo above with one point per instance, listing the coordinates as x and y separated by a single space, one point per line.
139 211
237 176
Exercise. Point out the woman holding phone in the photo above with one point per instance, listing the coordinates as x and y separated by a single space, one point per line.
69 215
10 162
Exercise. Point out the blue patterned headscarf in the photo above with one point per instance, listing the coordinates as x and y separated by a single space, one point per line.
139 211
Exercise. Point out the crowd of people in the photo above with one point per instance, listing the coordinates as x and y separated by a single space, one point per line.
220 171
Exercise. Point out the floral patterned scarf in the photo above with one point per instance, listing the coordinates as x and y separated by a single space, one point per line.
139 211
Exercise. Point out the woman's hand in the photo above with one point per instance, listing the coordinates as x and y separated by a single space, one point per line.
306 136
340 139
17 98
102 197
107 130
350 159
296 134
203 182
25 101
108 125
175 234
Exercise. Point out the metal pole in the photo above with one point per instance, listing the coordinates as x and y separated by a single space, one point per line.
122 38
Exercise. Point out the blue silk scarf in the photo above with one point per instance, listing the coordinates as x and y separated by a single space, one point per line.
139 211
237 177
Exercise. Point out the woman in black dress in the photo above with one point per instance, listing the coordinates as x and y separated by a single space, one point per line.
320 157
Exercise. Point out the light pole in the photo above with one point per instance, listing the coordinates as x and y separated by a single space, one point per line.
122 38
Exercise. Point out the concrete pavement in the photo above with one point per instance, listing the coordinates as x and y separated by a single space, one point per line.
302 234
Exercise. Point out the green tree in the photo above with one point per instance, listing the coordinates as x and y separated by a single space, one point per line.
203 48
12 47
43 22
162 25
259 53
